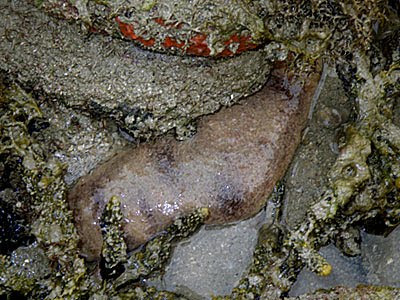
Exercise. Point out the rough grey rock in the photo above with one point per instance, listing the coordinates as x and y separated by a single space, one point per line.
146 93
77 140
306 175
379 264
381 257
347 271
212 260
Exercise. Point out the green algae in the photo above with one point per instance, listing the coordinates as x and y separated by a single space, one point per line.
53 227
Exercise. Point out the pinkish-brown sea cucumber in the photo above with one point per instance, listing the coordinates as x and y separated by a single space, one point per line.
229 166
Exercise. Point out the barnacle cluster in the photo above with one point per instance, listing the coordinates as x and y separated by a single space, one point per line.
204 28
94 73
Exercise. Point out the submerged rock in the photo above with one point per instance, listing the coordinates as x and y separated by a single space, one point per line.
230 166
380 256
346 272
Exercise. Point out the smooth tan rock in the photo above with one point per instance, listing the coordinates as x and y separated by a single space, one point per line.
229 166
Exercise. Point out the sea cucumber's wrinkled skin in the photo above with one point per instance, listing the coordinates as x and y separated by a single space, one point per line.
229 166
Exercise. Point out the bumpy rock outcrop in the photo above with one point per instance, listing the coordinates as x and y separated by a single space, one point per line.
146 93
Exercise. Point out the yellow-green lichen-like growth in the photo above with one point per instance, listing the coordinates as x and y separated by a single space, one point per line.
11 278
351 168
353 188
156 252
43 178
114 247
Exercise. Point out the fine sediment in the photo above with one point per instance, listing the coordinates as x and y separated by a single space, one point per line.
229 166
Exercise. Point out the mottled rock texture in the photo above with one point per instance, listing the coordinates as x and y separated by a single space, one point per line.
204 28
229 166
145 93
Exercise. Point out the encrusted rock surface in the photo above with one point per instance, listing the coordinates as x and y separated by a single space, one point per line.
204 28
146 93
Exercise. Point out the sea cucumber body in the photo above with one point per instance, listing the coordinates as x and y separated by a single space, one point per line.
229 166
